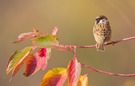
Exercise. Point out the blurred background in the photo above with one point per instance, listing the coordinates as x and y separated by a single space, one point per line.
75 20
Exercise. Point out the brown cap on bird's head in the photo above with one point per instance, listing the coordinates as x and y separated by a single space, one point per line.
101 17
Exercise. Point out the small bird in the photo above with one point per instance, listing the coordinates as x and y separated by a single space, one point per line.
102 32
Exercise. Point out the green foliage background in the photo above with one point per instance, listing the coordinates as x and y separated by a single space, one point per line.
75 20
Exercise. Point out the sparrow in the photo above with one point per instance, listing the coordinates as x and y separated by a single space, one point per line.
102 32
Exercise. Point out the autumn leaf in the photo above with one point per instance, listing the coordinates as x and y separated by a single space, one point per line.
73 71
16 60
83 80
48 41
16 52
37 61
42 52
24 36
54 77
16 69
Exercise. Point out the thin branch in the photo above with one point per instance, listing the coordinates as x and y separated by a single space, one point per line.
108 73
69 47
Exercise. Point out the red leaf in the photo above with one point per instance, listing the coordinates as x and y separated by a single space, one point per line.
42 52
73 71
37 61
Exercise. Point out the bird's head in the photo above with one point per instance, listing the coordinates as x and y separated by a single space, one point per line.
101 19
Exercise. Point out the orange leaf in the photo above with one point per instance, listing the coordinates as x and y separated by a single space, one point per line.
54 77
16 69
73 71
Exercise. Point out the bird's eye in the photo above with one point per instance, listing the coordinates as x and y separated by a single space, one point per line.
102 20
97 20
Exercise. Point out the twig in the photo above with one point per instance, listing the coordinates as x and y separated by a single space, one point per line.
122 40
108 73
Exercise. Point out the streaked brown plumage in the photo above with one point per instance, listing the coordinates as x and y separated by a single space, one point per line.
101 32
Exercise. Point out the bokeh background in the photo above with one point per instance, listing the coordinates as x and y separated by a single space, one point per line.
75 20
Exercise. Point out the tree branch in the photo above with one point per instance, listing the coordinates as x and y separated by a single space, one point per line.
108 73
69 47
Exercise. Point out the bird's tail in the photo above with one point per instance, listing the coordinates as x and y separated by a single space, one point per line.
100 47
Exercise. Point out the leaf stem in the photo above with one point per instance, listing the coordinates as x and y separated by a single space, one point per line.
75 55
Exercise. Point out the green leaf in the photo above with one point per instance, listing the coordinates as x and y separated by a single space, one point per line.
46 41
17 58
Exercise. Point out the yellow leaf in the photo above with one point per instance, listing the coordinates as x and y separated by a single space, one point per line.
83 81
